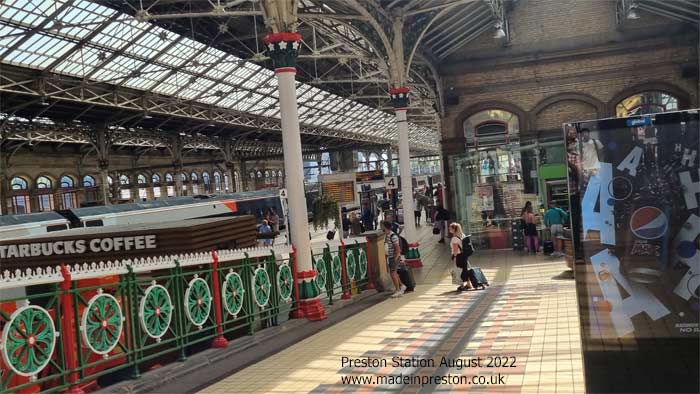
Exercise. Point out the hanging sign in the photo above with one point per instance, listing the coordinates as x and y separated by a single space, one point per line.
366 176
391 182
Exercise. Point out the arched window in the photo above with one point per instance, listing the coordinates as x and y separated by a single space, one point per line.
217 181
20 195
227 183
195 183
170 181
155 179
206 181
45 194
109 180
646 103
69 199
259 174
236 182
140 179
67 182
491 127
141 182
268 180
89 181
252 175
19 184
124 186
185 181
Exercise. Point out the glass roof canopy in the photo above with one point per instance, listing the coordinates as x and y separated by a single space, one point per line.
86 40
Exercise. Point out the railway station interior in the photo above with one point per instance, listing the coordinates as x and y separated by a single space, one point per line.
326 196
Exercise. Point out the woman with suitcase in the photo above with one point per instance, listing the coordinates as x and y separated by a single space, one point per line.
460 259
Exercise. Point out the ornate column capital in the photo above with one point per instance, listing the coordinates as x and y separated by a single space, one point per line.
399 98
283 49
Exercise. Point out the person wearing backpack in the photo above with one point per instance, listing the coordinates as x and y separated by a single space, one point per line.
554 220
392 248
461 248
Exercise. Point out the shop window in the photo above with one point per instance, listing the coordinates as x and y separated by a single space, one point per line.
646 103
45 200
20 195
69 199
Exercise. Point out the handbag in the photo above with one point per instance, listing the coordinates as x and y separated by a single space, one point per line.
330 235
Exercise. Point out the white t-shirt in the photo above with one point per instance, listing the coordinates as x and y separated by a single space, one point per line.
589 157
455 241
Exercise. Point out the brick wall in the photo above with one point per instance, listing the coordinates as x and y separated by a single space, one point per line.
550 117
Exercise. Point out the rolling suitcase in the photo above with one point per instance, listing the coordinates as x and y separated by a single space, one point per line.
406 277
477 278
548 247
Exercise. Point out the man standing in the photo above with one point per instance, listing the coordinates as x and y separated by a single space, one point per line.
554 220
441 216
392 248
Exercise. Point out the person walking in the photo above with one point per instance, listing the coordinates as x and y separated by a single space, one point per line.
554 220
460 259
441 216
530 222
417 208
274 220
392 249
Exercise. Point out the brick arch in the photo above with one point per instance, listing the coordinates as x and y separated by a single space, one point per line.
569 106
599 106
523 117
660 86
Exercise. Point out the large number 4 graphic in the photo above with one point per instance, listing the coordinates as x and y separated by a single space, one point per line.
602 220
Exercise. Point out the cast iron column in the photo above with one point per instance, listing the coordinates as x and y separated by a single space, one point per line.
283 49
399 99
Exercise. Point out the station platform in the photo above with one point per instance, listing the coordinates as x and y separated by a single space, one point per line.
527 319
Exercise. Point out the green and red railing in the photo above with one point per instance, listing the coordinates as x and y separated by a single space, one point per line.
66 327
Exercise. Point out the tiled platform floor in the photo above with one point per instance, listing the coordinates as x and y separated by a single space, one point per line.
528 314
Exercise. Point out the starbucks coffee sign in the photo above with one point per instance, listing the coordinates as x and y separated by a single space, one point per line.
78 246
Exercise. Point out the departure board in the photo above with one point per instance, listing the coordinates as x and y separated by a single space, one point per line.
342 192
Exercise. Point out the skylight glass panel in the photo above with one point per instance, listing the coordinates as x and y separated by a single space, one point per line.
9 36
196 87
81 62
116 69
39 51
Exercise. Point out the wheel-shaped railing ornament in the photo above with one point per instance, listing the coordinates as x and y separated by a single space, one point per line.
102 323
198 301
321 272
362 264
337 269
285 282
350 264
28 341
261 287
155 311
233 293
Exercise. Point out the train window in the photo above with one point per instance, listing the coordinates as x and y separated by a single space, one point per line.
94 223
56 227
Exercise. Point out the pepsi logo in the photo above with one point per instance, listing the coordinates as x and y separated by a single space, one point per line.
648 223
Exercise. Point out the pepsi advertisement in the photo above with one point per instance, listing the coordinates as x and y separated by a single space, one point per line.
635 192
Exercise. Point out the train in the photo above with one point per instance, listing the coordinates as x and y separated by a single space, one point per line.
157 211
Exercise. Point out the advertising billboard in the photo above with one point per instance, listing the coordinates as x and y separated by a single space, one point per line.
635 185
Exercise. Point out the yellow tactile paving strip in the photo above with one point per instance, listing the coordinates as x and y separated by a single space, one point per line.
529 313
